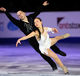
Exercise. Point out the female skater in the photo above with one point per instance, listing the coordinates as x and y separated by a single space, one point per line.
45 42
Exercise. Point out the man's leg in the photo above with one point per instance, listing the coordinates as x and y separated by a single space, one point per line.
35 45
57 50
49 60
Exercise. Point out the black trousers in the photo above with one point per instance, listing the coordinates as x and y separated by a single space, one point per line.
33 42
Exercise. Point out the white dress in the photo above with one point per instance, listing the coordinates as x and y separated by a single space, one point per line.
44 42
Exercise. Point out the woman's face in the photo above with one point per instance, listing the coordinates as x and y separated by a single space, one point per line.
37 23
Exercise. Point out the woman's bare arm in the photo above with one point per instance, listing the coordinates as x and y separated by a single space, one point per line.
51 29
25 37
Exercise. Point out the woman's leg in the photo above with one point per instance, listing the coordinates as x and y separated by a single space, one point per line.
57 38
58 61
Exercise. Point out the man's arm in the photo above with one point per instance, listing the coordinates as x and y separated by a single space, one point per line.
37 12
15 21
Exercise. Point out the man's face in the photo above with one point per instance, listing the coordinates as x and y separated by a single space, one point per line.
21 15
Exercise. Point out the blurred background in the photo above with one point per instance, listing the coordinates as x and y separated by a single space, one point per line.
31 5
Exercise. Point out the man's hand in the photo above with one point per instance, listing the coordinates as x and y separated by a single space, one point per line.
2 9
18 42
45 3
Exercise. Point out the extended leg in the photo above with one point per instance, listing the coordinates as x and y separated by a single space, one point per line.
54 47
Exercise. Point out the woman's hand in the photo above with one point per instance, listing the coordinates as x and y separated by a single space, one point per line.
18 42
55 30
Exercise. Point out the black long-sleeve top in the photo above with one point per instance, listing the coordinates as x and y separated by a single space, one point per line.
25 27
